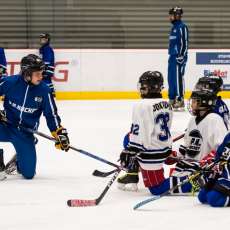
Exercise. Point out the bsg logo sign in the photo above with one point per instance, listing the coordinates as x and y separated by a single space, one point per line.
61 70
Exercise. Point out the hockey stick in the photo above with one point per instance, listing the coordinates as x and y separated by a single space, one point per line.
103 174
99 173
189 178
29 130
93 202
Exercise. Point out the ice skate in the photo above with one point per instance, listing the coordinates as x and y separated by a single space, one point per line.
128 182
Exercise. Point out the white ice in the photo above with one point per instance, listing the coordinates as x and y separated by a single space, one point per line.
97 127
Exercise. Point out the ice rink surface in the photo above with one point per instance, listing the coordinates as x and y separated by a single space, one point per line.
97 127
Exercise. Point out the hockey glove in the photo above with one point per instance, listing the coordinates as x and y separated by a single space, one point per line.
62 139
127 157
3 115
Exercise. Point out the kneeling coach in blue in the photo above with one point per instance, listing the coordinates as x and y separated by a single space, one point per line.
26 98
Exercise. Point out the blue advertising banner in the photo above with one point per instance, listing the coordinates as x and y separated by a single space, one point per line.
212 58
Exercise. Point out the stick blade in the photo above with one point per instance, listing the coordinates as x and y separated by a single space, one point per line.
103 174
81 203
99 173
144 202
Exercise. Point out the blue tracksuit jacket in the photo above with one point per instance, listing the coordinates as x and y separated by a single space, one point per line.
47 54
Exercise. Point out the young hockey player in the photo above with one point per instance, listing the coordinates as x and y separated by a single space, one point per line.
216 184
26 98
150 138
204 134
214 84
205 130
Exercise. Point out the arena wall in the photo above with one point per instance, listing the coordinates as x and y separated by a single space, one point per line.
113 73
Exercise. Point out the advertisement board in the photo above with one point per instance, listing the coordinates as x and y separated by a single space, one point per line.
113 73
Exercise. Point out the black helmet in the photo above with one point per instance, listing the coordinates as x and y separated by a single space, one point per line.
176 11
29 64
45 35
152 82
212 83
206 100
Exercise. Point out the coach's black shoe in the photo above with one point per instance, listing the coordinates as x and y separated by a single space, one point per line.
179 105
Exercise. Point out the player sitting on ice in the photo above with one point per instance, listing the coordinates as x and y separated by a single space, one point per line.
150 140
216 184
204 133
215 84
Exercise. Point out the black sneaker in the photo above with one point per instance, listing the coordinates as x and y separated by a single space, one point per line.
179 105
128 182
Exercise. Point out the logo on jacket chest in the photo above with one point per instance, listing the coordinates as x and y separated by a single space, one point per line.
38 99
22 108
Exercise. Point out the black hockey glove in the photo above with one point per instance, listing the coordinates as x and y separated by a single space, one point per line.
62 139
3 115
127 158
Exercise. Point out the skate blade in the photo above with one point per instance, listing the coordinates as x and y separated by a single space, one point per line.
132 187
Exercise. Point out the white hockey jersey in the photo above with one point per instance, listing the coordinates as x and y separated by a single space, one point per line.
200 139
150 132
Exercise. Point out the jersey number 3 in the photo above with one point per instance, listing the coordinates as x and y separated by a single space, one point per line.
162 119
